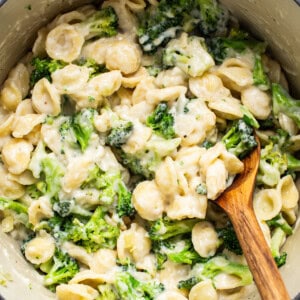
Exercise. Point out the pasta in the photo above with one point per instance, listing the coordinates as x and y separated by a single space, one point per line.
117 133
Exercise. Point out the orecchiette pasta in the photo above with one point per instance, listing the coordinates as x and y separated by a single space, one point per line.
25 124
76 291
267 204
171 295
40 249
40 209
148 200
171 77
205 239
45 98
203 290
64 43
288 192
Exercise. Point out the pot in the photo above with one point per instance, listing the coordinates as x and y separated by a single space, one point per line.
275 21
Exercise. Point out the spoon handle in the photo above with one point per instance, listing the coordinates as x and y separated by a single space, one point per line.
256 250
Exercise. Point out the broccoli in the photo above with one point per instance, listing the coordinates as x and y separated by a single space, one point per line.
107 292
52 173
293 164
189 54
33 191
229 239
280 222
178 249
119 135
19 210
107 183
164 228
67 207
213 18
161 23
236 43
277 239
82 124
285 104
95 234
273 163
220 264
124 204
249 118
260 78
239 139
91 64
42 68
103 23
161 121
188 283
281 139
128 287
201 189
63 269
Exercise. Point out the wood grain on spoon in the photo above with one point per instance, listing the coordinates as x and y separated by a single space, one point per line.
237 203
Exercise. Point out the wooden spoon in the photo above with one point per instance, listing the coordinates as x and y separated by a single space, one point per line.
237 203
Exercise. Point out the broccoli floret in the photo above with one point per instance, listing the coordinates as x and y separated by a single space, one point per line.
67 207
260 78
188 53
201 189
293 164
128 287
83 126
277 239
220 264
42 68
161 121
273 163
280 222
106 182
237 42
91 64
164 228
63 269
103 23
249 118
239 139
119 135
188 283
18 209
107 292
52 172
124 204
161 23
33 191
179 250
229 239
285 104
213 18
95 234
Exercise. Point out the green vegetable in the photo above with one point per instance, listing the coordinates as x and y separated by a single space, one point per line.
188 283
92 65
249 118
128 287
165 228
236 43
103 23
201 189
19 210
229 239
285 104
124 204
260 78
273 163
119 135
277 239
188 53
280 222
42 68
83 126
213 18
161 23
161 121
239 139
68 207
107 292
293 164
63 269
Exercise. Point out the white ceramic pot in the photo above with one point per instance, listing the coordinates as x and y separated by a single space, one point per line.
276 21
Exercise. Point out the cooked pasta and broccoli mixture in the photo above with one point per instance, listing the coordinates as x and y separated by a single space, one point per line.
119 130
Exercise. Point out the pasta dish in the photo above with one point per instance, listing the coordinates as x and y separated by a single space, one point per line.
118 131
